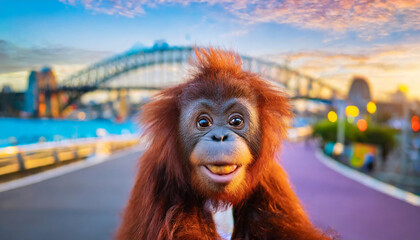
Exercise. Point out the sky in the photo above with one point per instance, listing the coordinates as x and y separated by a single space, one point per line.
331 40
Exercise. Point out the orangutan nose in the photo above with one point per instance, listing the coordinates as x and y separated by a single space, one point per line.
219 137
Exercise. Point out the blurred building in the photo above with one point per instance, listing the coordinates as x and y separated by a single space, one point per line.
31 94
40 98
393 108
10 102
359 93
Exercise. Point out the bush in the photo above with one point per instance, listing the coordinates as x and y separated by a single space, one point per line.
377 135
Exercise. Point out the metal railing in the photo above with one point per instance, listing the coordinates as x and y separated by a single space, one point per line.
20 158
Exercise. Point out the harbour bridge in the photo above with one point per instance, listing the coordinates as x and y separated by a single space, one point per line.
164 67
160 67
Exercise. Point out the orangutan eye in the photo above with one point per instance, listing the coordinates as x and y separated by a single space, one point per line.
204 122
236 121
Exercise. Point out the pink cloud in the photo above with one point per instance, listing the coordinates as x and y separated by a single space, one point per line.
368 18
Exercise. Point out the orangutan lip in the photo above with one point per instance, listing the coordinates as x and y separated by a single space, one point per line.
227 175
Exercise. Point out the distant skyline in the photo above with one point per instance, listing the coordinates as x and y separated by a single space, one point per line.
332 40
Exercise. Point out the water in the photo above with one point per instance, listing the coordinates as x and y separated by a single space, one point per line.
26 131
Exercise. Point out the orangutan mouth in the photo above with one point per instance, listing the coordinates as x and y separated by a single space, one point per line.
221 169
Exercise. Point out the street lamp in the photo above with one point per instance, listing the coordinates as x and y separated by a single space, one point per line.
371 107
415 123
362 125
341 124
332 116
352 111
403 88
405 130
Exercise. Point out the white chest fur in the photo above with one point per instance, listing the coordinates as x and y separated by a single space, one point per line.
224 222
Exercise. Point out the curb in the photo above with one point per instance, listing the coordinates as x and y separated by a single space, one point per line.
367 181
56 172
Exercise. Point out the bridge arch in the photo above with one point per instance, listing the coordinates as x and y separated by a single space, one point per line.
99 74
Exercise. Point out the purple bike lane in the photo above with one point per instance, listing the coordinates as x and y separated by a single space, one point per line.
353 210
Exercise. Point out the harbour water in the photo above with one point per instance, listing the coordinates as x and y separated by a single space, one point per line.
14 131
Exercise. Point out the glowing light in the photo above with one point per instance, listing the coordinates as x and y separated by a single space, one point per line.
332 116
81 116
362 125
352 111
100 132
371 107
415 123
42 108
338 148
403 88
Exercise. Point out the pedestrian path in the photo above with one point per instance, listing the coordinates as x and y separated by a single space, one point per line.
353 210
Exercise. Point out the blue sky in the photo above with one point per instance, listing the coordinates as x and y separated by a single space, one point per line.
333 40
50 22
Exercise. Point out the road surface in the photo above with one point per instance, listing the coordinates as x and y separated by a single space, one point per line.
86 204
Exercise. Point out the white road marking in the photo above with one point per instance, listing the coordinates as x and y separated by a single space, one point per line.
373 183
42 176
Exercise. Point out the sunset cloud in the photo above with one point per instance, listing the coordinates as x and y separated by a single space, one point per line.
385 66
367 18
14 58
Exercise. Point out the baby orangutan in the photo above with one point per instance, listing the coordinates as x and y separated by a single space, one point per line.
213 140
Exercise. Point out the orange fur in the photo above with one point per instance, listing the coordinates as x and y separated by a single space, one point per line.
164 205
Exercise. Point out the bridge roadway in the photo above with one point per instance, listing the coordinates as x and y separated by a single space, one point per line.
86 204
